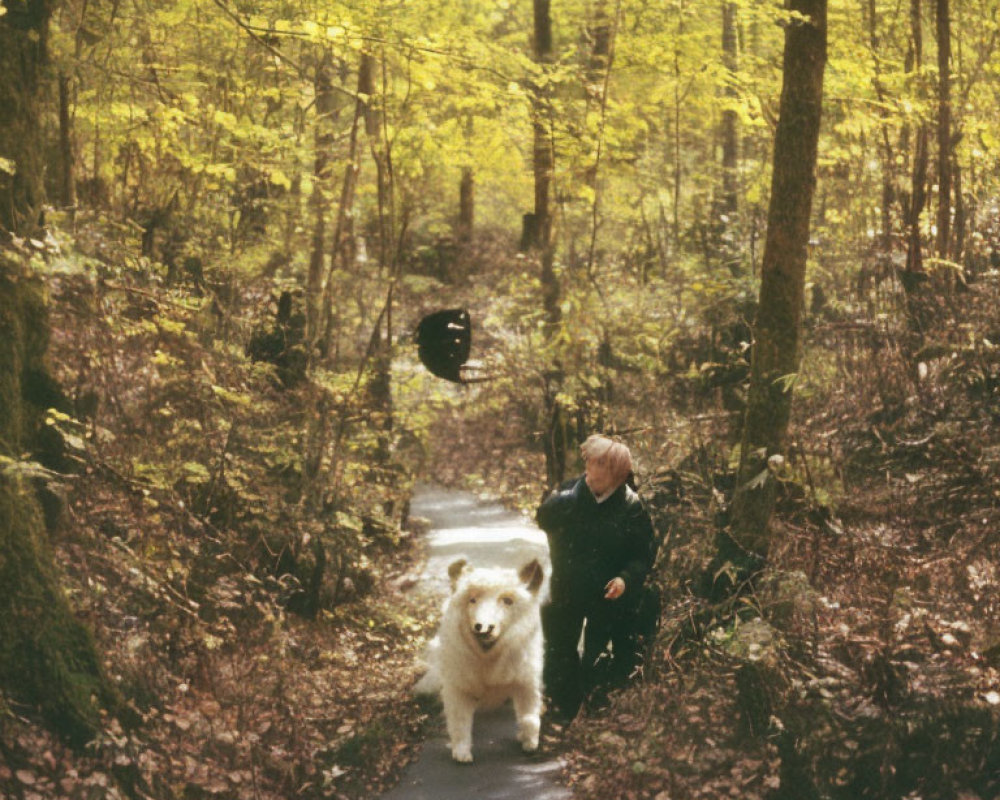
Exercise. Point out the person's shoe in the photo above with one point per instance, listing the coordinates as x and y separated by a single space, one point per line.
598 700
558 717
553 730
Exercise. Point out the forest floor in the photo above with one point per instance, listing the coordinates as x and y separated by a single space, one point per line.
870 682
265 706
863 664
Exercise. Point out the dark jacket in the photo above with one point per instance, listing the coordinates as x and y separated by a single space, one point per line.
590 543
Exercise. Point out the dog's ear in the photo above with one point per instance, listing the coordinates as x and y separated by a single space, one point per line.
455 570
531 575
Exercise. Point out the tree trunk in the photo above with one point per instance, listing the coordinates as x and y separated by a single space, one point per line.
600 49
886 151
958 248
912 276
319 202
603 32
373 127
918 199
343 235
678 172
729 206
543 164
778 329
944 129
23 56
466 204
730 132
47 658
380 385
67 171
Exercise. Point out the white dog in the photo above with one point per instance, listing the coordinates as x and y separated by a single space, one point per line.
488 649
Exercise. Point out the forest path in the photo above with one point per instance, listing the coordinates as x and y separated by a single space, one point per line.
486 534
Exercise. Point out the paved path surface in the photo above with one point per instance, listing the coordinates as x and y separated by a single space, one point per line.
485 534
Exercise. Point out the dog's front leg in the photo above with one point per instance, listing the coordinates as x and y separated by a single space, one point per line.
459 708
528 708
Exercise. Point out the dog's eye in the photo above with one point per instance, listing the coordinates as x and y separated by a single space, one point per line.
472 601
507 601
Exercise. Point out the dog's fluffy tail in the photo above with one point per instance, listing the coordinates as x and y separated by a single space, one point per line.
431 682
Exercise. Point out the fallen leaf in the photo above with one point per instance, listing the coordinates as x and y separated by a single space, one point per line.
26 777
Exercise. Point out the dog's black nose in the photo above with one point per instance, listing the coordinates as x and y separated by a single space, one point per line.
483 629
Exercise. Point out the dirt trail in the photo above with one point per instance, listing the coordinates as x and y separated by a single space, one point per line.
485 534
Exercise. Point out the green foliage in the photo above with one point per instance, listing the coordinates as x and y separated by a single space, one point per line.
208 144
214 129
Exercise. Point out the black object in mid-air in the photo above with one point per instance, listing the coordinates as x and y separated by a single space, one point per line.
444 341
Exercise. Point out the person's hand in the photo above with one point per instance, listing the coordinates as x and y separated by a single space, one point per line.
614 589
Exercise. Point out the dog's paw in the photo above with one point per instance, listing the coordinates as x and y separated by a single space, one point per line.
527 734
462 754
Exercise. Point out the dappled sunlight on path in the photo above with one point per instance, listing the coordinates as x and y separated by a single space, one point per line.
486 534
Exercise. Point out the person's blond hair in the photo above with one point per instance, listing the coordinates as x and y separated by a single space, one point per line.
614 455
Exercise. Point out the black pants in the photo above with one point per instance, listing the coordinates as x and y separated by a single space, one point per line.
570 677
